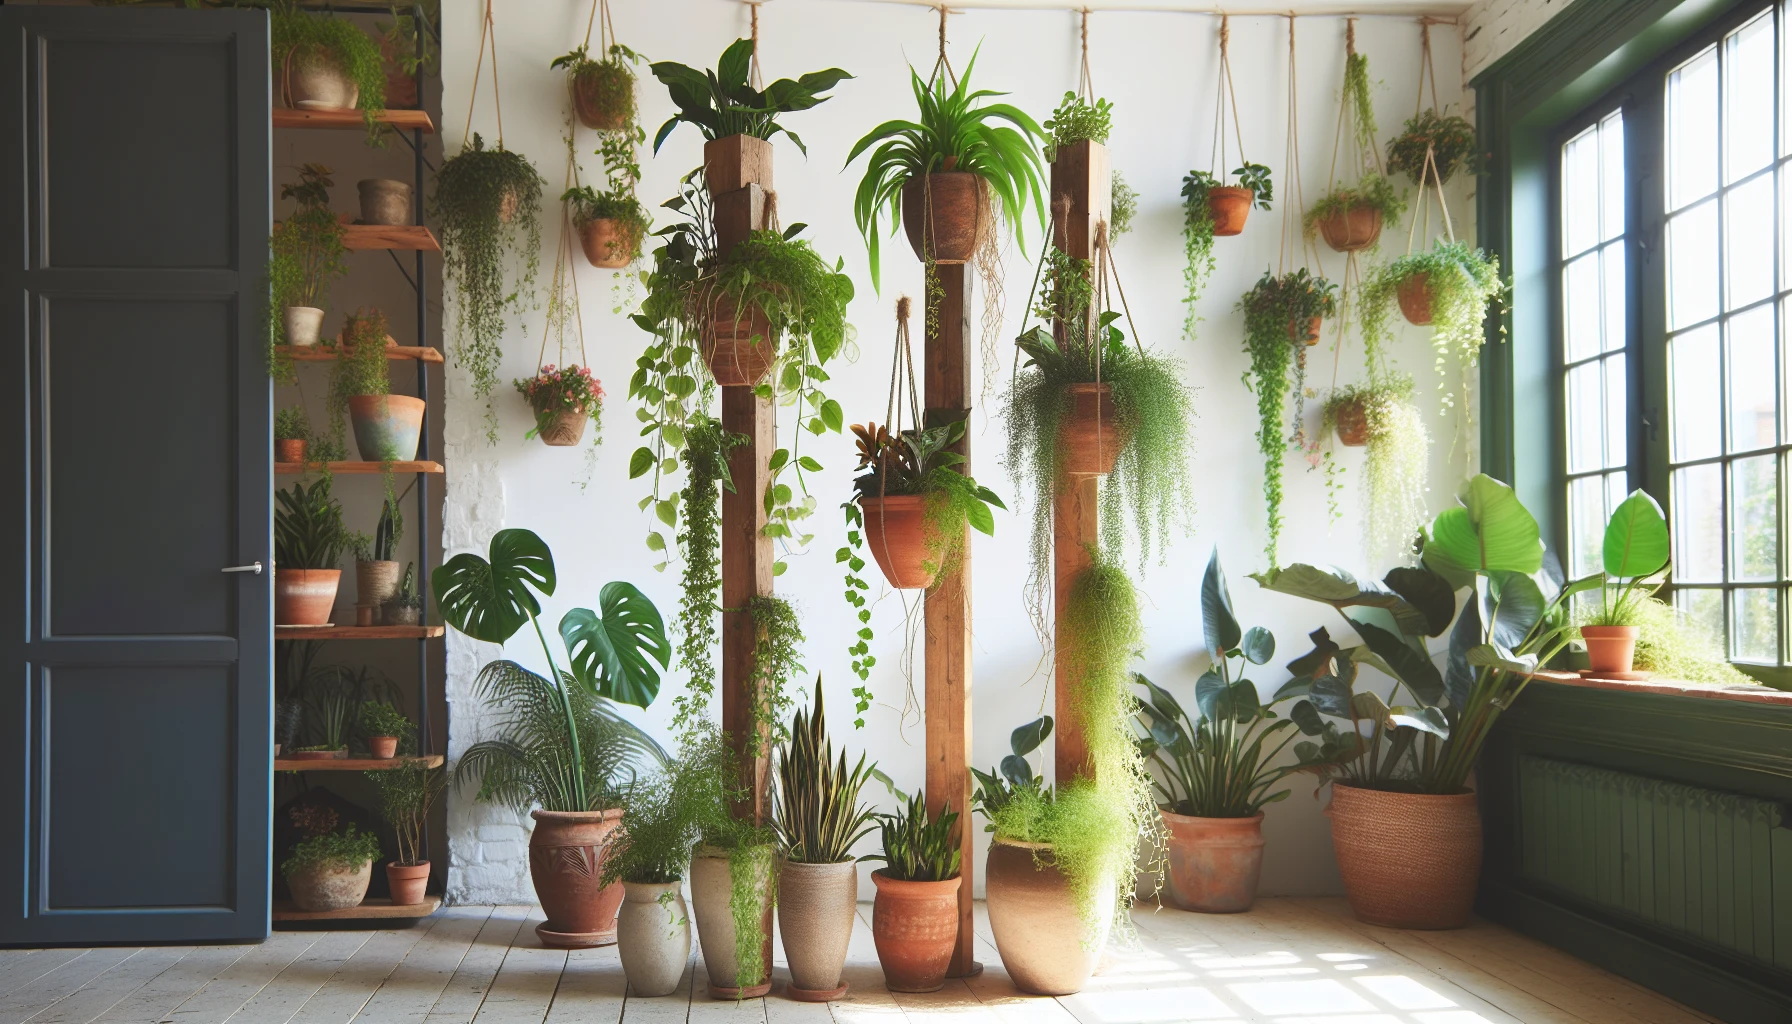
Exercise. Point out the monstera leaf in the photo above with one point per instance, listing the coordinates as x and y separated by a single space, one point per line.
1490 530
1636 539
613 656
490 600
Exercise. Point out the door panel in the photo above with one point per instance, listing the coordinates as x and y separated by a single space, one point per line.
135 677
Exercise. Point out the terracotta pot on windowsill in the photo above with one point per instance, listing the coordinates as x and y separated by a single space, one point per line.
1611 650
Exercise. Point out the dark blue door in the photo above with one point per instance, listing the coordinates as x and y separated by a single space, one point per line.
134 469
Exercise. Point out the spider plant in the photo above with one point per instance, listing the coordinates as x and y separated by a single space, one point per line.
819 816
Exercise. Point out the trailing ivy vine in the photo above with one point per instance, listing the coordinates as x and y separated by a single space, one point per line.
706 465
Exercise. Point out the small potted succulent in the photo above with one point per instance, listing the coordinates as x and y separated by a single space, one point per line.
376 571
308 541
407 792
331 871
914 921
914 505
563 401
603 91
1635 553
292 432
327 63
383 727
305 252
405 607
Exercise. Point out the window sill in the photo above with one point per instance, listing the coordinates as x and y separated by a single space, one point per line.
1676 688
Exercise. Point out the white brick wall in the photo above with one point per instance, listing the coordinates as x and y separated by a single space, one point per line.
1491 28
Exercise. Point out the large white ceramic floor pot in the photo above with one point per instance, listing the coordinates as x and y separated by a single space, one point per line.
653 937
712 891
1047 942
816 907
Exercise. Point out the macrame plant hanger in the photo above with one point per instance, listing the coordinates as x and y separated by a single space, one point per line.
1430 179
1368 158
1295 248
488 36
1225 99
904 403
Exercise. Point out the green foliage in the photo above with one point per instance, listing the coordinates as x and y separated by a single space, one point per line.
1395 466
851 555
406 794
1089 838
775 664
479 239
818 817
1462 281
305 253
589 205
379 718
1078 120
995 790
921 461
1123 206
360 368
1197 229
1450 139
1360 102
706 463
1636 549
309 39
1674 648
622 171
291 424
668 810
553 391
402 36
721 103
917 848
1371 190
347 850
611 81
308 530
955 131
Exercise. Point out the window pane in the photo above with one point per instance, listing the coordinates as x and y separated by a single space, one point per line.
1756 634
1580 192
1697 518
1586 419
1748 234
1692 385
1586 517
1692 266
1611 173
1748 97
1754 518
1703 611
1581 299
1692 130
1617 408
1753 402
1612 263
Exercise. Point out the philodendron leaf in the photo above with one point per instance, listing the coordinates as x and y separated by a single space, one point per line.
1216 610
490 600
1340 589
1208 691
1369 707
1027 738
1017 771
1331 695
1427 592
1424 719
1306 718
1636 539
1410 667
1491 529
1239 701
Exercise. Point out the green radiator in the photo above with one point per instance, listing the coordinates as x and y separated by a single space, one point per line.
1709 867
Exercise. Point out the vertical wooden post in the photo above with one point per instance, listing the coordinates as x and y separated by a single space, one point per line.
947 396
1080 174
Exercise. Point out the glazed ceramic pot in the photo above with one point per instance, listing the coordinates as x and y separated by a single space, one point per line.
1409 860
817 904
896 533
653 937
1414 294
305 597
304 325
737 347
1610 648
561 428
609 244
1214 862
711 892
566 856
1047 945
330 887
1089 434
958 202
1352 229
409 882
317 82
385 201
376 582
386 426
290 449
382 748
915 927
1228 206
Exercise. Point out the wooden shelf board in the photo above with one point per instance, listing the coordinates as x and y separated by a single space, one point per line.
357 632
328 353
358 237
351 764
359 467
286 910
404 120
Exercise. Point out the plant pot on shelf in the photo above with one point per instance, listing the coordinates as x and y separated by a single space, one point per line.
738 348
566 856
712 890
382 748
609 244
959 204
653 937
896 533
1414 294
915 927
1089 435
1045 943
1352 229
1353 423
817 904
376 582
409 883
1306 332
305 597
386 426
1215 863
401 89
289 449
330 888
1611 650
561 428
1227 207
1409 860
316 81
396 613
589 106
385 201
304 325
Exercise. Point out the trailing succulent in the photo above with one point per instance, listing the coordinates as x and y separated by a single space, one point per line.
1460 282
1197 229
1394 469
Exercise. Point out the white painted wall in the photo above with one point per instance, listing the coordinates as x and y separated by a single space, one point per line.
1159 69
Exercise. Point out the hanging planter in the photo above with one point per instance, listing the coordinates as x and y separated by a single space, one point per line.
1352 420
1306 330
1450 287
896 533
611 223
1415 298
609 243
603 91
1229 205
1350 217
1350 225
738 344
949 207
563 401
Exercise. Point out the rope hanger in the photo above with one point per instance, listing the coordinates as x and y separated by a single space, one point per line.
1224 90
1431 183
1085 83
488 32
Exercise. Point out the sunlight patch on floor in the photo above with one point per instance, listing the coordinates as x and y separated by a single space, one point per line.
1281 998
1150 1005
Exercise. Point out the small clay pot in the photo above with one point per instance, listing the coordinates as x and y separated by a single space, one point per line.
1040 933
566 856
915 927
1415 298
817 904
896 533
1228 206
385 201
289 449
1352 229
1307 331
1610 649
1215 863
395 614
304 597
609 244
507 205
376 582
712 890
561 429
653 937
317 82
386 426
591 111
330 887
304 325
959 204
382 748
738 349
1089 434
1409 860
409 883
1353 424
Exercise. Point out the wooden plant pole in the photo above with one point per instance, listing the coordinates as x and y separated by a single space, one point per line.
1081 176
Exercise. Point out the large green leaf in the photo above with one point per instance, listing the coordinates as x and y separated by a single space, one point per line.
1216 610
613 656
490 600
1491 529
1636 539
1340 589
1258 645
1426 591
1027 738
1317 661
1409 666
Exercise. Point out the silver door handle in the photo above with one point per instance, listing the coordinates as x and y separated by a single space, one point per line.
254 567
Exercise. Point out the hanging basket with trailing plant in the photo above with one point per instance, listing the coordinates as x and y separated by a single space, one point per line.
1447 288
1380 416
1350 216
602 91
563 401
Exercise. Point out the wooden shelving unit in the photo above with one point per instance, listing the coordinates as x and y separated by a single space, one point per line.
370 910
415 466
329 353
351 764
350 120
357 632
362 237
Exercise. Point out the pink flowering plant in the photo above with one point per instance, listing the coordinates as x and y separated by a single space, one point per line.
568 389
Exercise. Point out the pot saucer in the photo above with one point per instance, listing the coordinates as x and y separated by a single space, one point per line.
815 995
737 994
574 940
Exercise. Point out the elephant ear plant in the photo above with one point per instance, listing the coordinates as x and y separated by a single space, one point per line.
722 102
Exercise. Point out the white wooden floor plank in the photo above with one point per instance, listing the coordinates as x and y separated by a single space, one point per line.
1534 956
174 986
102 993
226 993
411 990
525 985
296 983
592 991
27 1000
15 974
342 997
466 989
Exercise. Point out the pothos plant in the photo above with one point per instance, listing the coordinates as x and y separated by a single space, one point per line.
1457 281
487 206
705 455
617 202
305 253
1077 119
1197 228
300 38
1372 189
1450 139
1394 467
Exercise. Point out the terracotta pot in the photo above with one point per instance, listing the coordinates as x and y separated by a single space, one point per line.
1352 230
304 325
915 926
653 937
817 904
1214 862
711 891
382 748
738 350
401 89
896 533
386 426
609 244
409 882
1089 435
305 597
1409 860
1415 299
289 449
1228 206
562 429
1045 944
318 83
592 113
960 208
384 201
330 888
1306 331
1610 648
376 582
507 205
566 855
395 614
1353 424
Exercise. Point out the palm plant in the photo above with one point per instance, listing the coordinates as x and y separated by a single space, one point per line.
721 103
819 817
